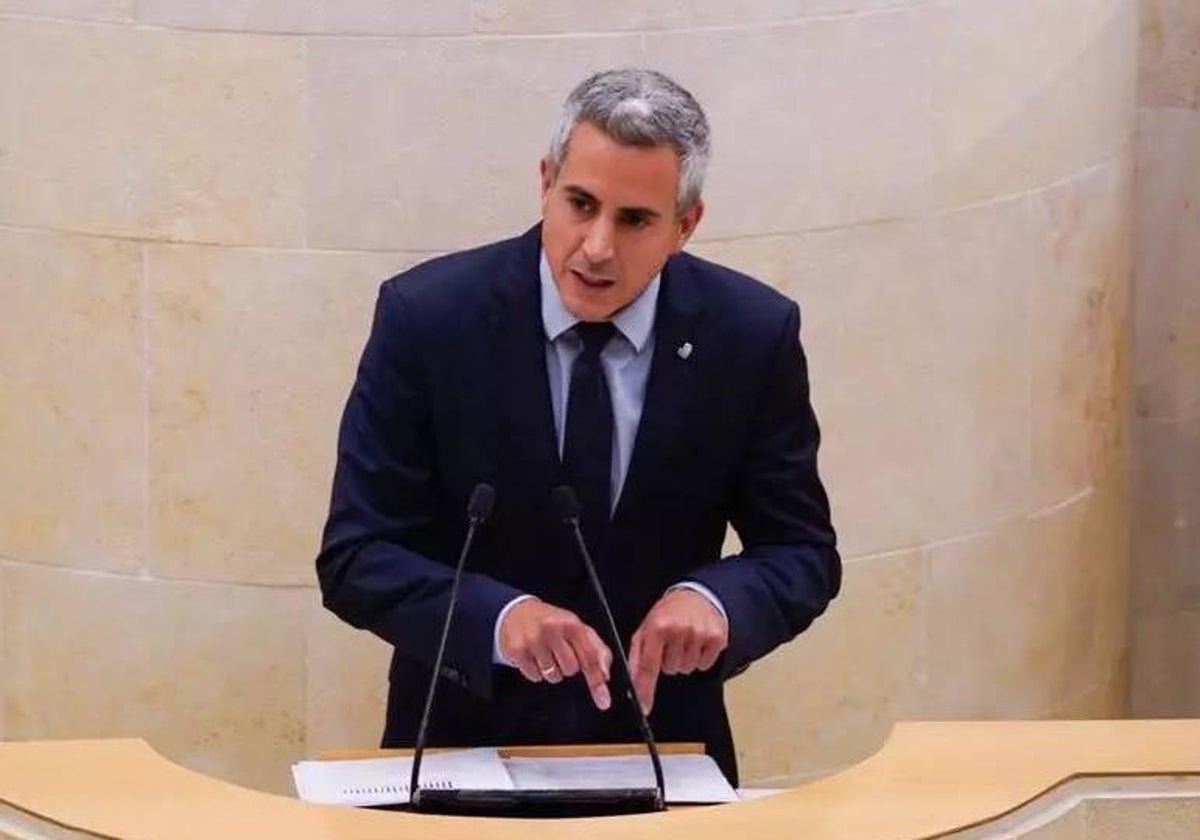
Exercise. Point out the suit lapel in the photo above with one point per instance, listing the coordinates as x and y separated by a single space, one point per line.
517 338
667 414
521 384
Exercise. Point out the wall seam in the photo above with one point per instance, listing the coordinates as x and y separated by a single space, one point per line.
758 235
147 384
141 576
473 34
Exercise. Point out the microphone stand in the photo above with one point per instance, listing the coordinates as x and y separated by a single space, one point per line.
568 508
547 802
479 508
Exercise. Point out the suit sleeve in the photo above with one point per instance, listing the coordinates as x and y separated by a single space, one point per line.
385 509
789 569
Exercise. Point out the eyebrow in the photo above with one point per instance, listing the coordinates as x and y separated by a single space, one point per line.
639 211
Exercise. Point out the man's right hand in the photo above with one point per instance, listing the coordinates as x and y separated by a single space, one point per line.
550 644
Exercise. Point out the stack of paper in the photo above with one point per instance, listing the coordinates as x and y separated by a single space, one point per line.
384 781
691 779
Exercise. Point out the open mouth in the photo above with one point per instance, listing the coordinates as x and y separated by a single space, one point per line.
592 281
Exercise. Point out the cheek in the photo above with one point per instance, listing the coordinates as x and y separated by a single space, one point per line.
645 257
560 238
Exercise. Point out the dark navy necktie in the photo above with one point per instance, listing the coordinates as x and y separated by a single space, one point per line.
587 441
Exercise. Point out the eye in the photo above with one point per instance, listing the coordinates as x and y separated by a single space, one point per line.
635 220
579 203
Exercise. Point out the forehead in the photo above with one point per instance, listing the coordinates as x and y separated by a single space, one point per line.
645 176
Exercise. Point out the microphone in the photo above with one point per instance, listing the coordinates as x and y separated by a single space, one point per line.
567 506
479 508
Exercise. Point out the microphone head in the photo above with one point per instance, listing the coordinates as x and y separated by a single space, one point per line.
566 504
483 497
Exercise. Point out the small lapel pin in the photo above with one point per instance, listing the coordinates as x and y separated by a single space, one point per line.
685 350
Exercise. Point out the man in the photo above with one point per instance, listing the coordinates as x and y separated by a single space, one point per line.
669 392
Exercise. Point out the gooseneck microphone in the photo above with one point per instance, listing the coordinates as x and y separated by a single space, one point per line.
567 506
479 508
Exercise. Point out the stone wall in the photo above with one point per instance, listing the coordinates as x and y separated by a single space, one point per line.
198 200
1166 605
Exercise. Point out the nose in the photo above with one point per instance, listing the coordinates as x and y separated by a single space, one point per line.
598 244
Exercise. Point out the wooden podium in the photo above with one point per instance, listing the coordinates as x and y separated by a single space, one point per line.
930 779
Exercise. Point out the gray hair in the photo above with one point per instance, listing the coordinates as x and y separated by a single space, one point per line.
639 107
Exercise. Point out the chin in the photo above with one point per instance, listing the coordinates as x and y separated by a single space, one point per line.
592 312
590 309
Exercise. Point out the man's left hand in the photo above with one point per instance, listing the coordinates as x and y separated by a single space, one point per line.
682 633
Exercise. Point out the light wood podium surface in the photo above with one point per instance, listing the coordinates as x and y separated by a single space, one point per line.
928 779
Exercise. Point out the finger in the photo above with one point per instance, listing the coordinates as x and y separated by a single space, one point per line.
594 658
645 678
550 672
564 655
709 643
547 667
689 658
604 656
709 653
635 652
675 645
606 659
527 665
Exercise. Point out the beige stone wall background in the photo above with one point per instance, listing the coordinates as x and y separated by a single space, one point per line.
1166 555
198 200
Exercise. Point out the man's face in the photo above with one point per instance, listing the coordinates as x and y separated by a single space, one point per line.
609 220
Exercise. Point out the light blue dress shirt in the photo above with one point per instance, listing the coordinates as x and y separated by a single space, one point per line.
626 363
625 360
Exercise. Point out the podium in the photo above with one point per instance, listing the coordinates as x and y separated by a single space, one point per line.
1128 778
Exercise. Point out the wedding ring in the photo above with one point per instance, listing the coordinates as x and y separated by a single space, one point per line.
550 671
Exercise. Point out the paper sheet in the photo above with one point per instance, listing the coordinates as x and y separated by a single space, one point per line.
691 779
384 781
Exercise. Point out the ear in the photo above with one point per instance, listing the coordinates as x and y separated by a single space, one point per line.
548 175
688 223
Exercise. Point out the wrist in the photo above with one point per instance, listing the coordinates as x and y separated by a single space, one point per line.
499 657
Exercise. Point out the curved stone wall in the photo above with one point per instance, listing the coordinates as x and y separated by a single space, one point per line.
1166 381
197 202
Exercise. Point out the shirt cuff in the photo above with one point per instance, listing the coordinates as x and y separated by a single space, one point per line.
497 657
706 592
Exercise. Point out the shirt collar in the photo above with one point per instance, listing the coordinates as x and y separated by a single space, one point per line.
635 322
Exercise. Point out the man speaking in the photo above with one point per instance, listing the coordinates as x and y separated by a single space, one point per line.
670 393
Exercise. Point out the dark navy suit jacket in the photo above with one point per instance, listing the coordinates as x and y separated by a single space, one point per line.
452 390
